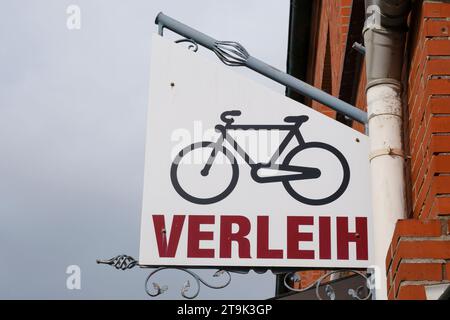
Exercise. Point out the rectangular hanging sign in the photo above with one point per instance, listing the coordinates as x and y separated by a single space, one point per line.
239 175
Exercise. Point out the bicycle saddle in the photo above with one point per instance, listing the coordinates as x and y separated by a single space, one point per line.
296 119
227 116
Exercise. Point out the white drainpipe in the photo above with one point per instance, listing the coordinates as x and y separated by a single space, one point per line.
384 37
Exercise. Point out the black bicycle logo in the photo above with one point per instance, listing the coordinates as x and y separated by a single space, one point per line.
296 172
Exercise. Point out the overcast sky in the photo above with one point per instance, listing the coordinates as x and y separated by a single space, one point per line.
72 137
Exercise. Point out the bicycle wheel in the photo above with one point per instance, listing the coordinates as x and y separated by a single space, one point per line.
214 186
322 190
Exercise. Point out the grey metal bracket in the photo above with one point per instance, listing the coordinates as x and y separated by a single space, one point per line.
234 54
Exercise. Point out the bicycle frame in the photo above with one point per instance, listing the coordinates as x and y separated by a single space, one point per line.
293 131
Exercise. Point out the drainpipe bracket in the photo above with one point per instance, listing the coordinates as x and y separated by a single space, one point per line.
385 29
373 115
386 152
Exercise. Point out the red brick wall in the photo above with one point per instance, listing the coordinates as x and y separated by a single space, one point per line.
361 101
429 109
331 25
419 255
420 249
334 18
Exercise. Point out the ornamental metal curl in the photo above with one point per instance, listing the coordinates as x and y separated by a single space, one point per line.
187 285
125 262
231 53
329 290
120 262
193 45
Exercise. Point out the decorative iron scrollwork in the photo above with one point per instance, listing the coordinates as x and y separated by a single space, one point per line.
231 53
193 45
125 262
357 293
120 262
155 289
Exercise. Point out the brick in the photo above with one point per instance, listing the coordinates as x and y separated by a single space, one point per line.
414 75
422 195
389 260
440 164
427 249
437 28
441 124
440 144
436 10
440 105
418 132
345 20
418 57
426 208
437 47
437 67
346 11
436 125
436 185
412 292
414 228
417 272
391 294
418 157
389 278
420 249
438 86
440 207
346 3
418 169
420 271
447 271
441 185
420 160
419 113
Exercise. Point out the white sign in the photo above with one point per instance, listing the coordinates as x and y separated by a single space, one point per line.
239 175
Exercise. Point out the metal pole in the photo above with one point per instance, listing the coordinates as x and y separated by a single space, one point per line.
234 54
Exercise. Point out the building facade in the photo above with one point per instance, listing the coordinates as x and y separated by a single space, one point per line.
323 50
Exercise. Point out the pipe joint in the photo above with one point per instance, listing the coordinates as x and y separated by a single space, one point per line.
387 14
384 81
384 38
384 56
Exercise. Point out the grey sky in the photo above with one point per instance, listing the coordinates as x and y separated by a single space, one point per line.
72 137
